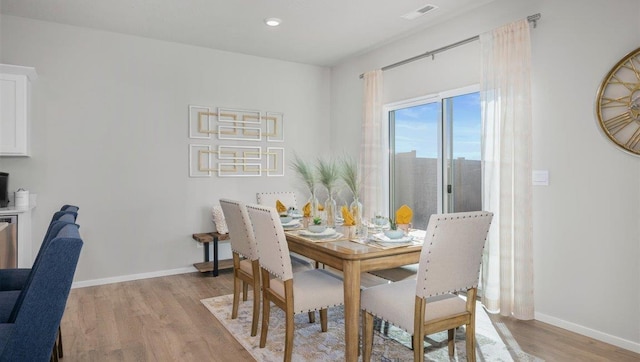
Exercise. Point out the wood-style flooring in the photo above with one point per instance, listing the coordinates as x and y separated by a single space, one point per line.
162 319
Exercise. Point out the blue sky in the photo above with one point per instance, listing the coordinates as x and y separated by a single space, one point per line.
417 128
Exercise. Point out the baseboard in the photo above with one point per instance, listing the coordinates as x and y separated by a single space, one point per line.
126 278
592 333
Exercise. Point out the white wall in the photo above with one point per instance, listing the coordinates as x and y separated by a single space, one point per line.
586 222
110 135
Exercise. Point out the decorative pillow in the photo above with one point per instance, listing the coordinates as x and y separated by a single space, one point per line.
218 220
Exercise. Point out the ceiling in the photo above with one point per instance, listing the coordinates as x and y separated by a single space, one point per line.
319 32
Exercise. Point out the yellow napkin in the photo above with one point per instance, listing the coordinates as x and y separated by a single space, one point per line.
280 207
306 209
348 218
404 215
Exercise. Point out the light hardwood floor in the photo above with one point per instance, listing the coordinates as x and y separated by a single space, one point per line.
162 319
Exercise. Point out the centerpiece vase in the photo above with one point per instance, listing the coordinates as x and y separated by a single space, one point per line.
330 208
313 201
356 211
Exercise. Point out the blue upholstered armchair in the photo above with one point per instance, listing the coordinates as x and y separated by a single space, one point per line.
12 281
30 332
15 279
71 208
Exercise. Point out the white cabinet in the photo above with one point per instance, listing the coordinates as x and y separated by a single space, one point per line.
15 94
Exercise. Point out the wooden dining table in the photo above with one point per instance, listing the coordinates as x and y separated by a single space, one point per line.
352 258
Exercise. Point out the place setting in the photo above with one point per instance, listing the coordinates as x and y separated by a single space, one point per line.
318 233
312 229
391 239
289 223
289 217
392 232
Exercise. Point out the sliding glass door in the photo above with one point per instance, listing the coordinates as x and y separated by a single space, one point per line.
434 158
463 170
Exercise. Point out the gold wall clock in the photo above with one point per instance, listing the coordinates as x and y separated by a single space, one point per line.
618 103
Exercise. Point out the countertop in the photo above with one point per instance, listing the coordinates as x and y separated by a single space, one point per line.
12 210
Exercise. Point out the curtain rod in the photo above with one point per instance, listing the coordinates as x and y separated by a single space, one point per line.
531 18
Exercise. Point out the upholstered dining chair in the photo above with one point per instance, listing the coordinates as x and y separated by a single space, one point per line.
12 281
394 275
305 291
246 268
16 278
449 263
30 332
72 208
287 198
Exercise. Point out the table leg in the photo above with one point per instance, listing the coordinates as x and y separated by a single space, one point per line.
215 256
351 274
205 246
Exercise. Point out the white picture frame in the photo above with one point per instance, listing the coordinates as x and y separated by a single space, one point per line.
235 169
196 154
275 161
274 126
253 134
248 153
199 128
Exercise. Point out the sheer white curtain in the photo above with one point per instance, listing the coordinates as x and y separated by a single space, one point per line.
371 146
507 275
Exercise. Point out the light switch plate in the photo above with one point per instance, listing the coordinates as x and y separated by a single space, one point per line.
540 177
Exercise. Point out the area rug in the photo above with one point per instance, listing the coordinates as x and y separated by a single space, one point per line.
312 345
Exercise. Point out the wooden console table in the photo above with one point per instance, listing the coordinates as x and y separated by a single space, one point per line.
208 265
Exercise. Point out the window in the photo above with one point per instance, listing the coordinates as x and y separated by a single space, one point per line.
435 153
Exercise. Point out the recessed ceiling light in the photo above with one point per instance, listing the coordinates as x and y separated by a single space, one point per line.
272 21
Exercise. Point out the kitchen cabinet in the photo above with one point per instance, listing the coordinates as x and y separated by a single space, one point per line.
15 98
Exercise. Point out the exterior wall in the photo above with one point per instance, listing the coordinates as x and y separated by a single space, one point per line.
416 186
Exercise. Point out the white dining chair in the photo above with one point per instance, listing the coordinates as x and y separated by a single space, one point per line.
246 268
287 198
449 263
305 291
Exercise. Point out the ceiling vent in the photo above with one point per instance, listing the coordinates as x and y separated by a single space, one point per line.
419 12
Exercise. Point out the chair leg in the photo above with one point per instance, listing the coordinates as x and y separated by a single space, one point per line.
236 297
367 336
256 307
288 335
54 352
245 291
471 342
312 317
323 319
451 341
60 353
417 342
266 311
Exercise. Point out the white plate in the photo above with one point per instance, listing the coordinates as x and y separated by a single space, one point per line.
291 223
326 232
383 238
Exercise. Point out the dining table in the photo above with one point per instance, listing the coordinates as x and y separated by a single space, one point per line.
354 257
